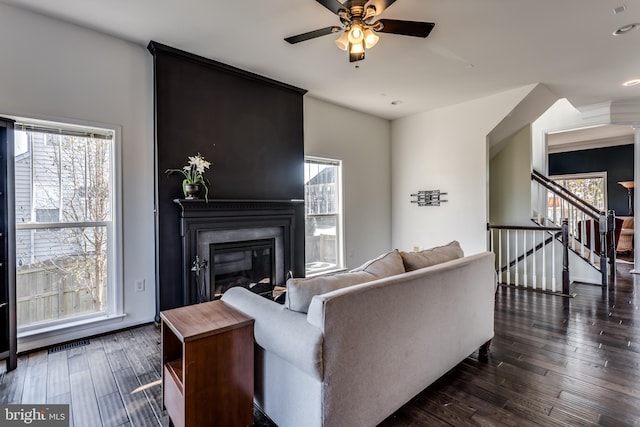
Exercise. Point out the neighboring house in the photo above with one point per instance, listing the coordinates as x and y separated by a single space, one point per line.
60 267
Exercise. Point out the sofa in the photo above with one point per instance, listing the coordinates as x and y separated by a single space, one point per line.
350 349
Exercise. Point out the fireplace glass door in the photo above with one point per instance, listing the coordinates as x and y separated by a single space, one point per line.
250 264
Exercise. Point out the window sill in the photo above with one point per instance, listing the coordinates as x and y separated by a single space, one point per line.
71 330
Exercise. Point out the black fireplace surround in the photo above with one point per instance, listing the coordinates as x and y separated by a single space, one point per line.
251 128
240 226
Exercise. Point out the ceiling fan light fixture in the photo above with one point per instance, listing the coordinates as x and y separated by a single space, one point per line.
343 41
370 38
356 34
358 28
356 51
369 12
356 48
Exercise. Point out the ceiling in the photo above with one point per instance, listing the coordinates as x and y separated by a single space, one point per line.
477 48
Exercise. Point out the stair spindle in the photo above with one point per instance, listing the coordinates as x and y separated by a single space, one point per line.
515 245
544 268
535 279
553 265
508 257
524 251
500 255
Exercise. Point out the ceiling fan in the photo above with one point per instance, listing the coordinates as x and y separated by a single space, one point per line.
359 27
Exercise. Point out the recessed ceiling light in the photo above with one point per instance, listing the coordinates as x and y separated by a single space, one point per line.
631 82
626 29
619 9
397 102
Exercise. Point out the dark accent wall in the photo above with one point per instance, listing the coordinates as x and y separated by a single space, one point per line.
250 128
617 161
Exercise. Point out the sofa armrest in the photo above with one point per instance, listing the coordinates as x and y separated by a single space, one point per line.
281 331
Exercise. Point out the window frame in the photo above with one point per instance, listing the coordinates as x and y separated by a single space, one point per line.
340 235
587 175
114 309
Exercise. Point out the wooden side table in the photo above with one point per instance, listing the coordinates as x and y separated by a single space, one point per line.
207 358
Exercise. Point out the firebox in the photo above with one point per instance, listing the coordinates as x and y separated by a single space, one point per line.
249 243
250 264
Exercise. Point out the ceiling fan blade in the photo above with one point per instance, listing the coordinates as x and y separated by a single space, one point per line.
380 5
333 5
312 34
405 28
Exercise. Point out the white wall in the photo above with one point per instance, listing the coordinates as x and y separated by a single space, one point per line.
560 116
49 69
510 181
445 149
362 142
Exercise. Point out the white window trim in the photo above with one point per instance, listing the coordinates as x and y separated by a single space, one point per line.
340 215
46 333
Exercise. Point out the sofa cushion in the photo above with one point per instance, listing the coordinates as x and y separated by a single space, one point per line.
385 265
300 291
428 257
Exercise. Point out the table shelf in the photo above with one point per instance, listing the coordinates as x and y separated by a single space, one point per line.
207 354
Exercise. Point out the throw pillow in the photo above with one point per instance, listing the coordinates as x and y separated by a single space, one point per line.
385 265
301 291
428 257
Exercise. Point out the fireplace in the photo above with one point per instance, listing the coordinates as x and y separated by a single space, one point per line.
251 257
248 264
228 243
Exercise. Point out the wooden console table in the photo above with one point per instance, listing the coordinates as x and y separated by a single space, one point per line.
207 359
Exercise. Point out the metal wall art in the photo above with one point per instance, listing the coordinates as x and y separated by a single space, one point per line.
428 198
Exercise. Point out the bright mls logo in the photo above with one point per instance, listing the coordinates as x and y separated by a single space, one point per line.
34 415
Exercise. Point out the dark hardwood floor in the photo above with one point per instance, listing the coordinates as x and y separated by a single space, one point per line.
554 362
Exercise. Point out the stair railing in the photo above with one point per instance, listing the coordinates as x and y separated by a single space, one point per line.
526 256
591 232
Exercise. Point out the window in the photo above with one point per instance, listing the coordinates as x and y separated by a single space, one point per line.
65 240
590 187
48 215
323 215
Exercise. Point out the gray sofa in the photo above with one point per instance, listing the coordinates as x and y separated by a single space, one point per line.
362 351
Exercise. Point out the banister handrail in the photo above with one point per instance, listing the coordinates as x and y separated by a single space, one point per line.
560 189
522 227
582 206
550 184
514 257
554 230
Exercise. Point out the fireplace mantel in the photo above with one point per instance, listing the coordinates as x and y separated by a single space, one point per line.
200 216
199 207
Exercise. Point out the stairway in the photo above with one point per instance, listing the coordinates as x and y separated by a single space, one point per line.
592 233
565 229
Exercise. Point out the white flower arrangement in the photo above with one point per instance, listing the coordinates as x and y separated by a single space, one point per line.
194 174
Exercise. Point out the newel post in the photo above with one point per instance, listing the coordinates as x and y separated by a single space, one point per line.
565 256
611 228
604 226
